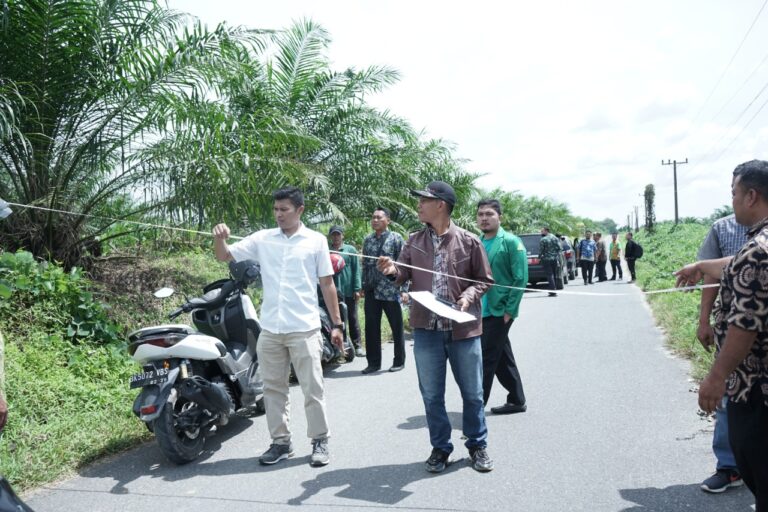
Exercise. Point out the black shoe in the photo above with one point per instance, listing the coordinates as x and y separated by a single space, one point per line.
722 480
397 368
370 369
509 409
480 460
276 453
438 461
612 279
552 294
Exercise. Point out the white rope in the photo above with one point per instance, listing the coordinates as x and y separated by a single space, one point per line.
404 265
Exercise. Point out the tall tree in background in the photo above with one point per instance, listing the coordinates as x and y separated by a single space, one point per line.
650 213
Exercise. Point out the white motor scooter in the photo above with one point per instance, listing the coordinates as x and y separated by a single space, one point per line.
195 378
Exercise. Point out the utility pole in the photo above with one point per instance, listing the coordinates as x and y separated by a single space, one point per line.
637 220
645 212
629 223
674 164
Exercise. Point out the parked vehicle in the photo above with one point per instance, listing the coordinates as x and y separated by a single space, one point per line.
536 272
570 258
194 379
330 351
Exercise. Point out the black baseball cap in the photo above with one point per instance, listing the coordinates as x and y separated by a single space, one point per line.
336 229
438 190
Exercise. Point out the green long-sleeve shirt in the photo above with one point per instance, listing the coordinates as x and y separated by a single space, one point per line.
350 278
509 265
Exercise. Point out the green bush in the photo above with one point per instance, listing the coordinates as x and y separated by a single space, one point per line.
62 298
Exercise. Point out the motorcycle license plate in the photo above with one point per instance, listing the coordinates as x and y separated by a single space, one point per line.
156 376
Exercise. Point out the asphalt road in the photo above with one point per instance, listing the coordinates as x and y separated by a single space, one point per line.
612 425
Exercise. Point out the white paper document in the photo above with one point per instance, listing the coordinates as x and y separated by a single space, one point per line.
430 302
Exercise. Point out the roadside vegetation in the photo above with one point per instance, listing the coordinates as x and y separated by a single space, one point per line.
66 367
665 251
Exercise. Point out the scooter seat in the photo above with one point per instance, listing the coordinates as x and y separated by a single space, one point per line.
161 329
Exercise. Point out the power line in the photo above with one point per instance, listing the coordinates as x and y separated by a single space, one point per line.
728 66
743 84
744 128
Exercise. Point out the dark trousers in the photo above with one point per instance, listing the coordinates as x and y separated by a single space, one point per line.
373 310
602 275
586 270
352 321
616 265
550 267
499 360
631 265
748 434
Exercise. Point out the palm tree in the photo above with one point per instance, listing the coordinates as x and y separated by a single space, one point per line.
85 87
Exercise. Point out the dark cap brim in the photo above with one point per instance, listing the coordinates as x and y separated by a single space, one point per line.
424 193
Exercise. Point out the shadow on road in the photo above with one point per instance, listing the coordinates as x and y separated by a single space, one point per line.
687 497
417 422
149 461
342 374
376 484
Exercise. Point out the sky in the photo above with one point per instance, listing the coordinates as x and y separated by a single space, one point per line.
576 101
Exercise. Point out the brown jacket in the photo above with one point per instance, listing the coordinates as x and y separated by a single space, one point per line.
467 258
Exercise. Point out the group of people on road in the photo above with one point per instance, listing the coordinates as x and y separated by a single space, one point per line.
461 269
456 266
593 256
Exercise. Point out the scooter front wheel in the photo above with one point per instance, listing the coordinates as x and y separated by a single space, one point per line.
179 445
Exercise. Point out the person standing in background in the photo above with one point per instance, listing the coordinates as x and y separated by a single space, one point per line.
350 283
614 255
381 296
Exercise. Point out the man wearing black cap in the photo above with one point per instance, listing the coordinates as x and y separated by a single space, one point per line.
350 283
448 254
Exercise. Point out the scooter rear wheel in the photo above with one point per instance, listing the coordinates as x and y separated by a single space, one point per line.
180 446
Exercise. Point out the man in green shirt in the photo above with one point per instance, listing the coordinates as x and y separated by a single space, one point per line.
350 283
509 265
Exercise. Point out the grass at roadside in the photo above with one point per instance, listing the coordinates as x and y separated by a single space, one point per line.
665 251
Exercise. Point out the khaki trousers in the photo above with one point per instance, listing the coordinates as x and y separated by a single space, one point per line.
276 352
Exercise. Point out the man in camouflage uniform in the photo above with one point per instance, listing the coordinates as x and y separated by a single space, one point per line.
549 254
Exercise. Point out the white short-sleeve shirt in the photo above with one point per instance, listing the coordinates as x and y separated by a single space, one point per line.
290 271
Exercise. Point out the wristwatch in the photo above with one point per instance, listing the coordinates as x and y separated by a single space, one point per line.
339 326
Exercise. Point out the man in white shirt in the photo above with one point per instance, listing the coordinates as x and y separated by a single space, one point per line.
293 259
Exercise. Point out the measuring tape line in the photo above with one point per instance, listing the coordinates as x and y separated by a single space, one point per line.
405 265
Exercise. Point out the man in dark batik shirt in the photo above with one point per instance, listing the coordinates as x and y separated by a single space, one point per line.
741 331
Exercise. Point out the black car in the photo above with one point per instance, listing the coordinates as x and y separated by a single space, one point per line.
536 272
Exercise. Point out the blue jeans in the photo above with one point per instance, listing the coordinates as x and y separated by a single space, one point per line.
720 443
431 350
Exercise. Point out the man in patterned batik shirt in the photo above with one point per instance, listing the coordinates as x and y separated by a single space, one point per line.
381 296
741 330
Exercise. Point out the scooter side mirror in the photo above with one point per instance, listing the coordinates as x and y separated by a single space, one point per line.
162 293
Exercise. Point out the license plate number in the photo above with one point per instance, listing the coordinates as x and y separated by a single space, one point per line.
156 376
